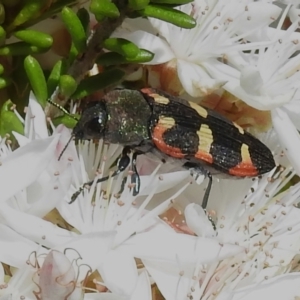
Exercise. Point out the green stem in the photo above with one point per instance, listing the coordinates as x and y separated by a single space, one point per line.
86 60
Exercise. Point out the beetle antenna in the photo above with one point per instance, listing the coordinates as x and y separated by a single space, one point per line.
66 146
62 109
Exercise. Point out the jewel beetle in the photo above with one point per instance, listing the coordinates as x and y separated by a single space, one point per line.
172 129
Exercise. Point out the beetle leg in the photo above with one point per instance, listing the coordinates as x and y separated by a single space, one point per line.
135 178
122 164
198 169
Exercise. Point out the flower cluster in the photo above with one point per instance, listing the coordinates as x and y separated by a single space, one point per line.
239 53
242 59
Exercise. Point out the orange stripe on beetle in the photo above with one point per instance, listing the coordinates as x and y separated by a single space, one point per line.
245 167
204 156
163 124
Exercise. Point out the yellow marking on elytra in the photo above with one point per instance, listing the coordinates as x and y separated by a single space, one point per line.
167 122
245 153
240 129
200 110
160 99
205 138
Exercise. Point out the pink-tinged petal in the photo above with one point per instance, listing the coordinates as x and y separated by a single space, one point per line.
15 248
152 43
34 228
24 165
57 278
198 221
35 120
288 136
195 80
278 288
92 247
119 272
143 288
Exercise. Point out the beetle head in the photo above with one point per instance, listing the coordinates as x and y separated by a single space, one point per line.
92 123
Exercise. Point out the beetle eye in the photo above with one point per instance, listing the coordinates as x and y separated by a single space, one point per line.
96 125
92 123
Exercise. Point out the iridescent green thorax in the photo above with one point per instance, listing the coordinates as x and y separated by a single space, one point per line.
128 117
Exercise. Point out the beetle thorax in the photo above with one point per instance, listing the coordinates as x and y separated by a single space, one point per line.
128 117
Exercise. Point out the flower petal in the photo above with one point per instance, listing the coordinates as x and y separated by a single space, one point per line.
293 110
119 272
198 221
258 14
166 181
103 296
34 228
251 80
92 247
21 139
35 120
57 277
24 165
288 136
143 288
196 80
15 249
170 245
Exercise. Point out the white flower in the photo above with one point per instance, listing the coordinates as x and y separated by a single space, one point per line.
95 223
38 157
20 285
220 27
257 238
263 222
263 72
269 77
278 288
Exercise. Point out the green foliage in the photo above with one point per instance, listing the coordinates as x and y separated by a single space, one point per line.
75 28
138 4
37 79
121 46
67 120
67 85
9 121
20 70
104 8
35 38
97 82
113 58
169 15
